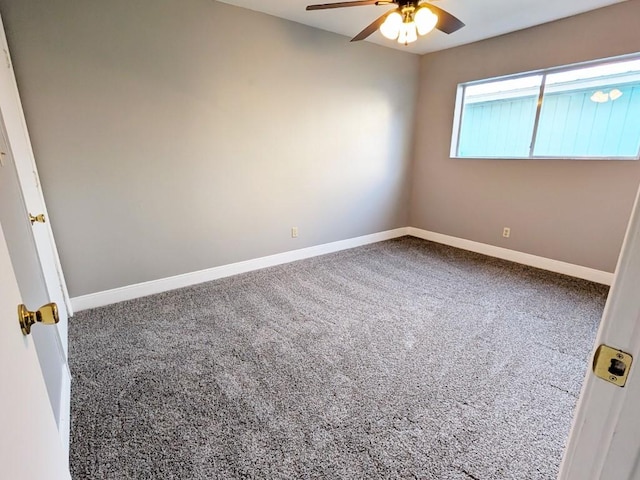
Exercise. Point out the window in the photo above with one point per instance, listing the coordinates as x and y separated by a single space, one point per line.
586 111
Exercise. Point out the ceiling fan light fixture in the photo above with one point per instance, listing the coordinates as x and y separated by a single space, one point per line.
425 20
392 25
405 22
408 33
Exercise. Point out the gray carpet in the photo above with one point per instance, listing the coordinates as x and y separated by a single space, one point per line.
402 359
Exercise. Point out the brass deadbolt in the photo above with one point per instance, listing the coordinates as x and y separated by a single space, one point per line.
47 315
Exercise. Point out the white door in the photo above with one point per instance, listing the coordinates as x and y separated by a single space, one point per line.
604 442
30 448
32 247
18 234
17 136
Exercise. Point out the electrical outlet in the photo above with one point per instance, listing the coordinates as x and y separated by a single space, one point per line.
294 232
506 232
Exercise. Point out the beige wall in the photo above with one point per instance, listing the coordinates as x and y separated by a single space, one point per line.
573 211
173 136
177 136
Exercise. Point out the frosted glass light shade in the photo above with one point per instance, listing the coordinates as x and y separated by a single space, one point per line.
425 20
390 28
412 35
407 33
402 36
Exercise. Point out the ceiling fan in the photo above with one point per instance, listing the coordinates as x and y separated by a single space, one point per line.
405 22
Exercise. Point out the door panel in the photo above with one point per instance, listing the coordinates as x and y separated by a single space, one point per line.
24 259
32 247
30 448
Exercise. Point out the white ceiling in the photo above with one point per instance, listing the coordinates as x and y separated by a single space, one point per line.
483 18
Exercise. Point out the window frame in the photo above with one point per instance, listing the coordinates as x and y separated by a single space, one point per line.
459 107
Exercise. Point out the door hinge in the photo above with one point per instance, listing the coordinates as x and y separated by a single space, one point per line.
612 365
6 56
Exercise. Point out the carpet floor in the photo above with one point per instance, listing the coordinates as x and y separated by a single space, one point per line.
401 359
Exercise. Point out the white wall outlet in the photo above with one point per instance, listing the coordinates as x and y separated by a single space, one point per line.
294 232
506 232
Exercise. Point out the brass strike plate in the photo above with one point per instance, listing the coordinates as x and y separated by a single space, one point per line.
37 218
612 365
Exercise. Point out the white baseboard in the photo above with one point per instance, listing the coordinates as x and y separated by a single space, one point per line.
138 290
543 263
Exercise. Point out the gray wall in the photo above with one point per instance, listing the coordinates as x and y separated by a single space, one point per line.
173 136
574 211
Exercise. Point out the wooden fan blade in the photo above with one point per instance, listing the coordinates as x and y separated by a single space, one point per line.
370 29
356 3
447 23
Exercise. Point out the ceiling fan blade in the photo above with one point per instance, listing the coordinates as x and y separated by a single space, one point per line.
356 3
371 28
447 23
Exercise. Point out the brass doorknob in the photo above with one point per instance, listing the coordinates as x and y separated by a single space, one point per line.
37 218
47 315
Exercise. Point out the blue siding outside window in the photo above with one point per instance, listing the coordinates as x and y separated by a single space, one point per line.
587 111
571 124
498 128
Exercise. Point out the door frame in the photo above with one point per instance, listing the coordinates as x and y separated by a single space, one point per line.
24 159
